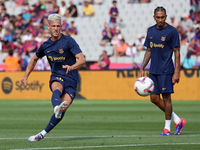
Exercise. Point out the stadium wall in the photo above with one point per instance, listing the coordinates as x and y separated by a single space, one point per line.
94 85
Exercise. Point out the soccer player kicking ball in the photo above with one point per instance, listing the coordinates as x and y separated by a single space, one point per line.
161 41
61 52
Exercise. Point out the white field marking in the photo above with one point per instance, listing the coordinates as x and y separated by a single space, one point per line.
105 146
111 136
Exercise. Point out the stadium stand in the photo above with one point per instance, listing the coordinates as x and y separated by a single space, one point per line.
136 19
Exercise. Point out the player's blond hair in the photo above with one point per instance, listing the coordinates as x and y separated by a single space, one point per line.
54 17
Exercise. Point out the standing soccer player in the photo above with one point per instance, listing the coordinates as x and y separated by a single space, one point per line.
61 52
161 41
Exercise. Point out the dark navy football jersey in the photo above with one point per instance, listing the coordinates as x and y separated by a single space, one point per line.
161 42
60 52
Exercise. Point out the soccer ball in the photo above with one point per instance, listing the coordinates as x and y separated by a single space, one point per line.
144 86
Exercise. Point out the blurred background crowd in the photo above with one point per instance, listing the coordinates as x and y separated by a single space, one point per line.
21 34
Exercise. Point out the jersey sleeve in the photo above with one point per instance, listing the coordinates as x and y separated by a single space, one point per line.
74 47
175 39
40 53
146 43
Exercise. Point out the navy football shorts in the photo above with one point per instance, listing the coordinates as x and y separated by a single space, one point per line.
69 85
162 83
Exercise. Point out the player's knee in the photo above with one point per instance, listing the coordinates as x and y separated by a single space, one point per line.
56 86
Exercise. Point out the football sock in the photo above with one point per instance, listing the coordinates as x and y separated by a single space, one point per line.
168 124
55 99
43 132
53 122
175 118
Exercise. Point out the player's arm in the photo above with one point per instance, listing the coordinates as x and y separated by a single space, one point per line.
146 59
29 69
80 61
176 76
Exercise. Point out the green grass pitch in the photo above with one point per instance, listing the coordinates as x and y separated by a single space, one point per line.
103 125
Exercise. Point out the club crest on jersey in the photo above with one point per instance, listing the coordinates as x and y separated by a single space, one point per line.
61 51
162 38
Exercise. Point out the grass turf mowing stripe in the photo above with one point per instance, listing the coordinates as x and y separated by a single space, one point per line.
113 136
106 146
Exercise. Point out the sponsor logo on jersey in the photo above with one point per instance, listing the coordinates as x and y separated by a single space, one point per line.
156 45
56 58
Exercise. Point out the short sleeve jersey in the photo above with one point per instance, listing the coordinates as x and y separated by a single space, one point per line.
60 52
71 8
161 42
113 11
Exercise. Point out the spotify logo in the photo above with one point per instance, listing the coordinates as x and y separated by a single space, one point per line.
7 85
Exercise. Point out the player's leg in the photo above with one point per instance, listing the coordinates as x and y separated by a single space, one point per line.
54 121
155 98
68 99
69 88
56 88
168 113
167 88
178 122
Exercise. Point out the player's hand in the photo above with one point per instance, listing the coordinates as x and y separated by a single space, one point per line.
175 78
141 73
24 80
67 67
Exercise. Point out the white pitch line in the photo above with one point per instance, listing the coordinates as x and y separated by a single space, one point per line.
72 137
105 146
111 136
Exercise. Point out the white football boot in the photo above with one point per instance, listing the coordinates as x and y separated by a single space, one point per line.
59 109
36 137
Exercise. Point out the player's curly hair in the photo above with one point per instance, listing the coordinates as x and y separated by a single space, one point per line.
160 8
54 17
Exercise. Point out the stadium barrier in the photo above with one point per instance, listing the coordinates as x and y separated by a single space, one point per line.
94 85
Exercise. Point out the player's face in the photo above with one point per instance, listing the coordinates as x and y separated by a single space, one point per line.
54 28
160 18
